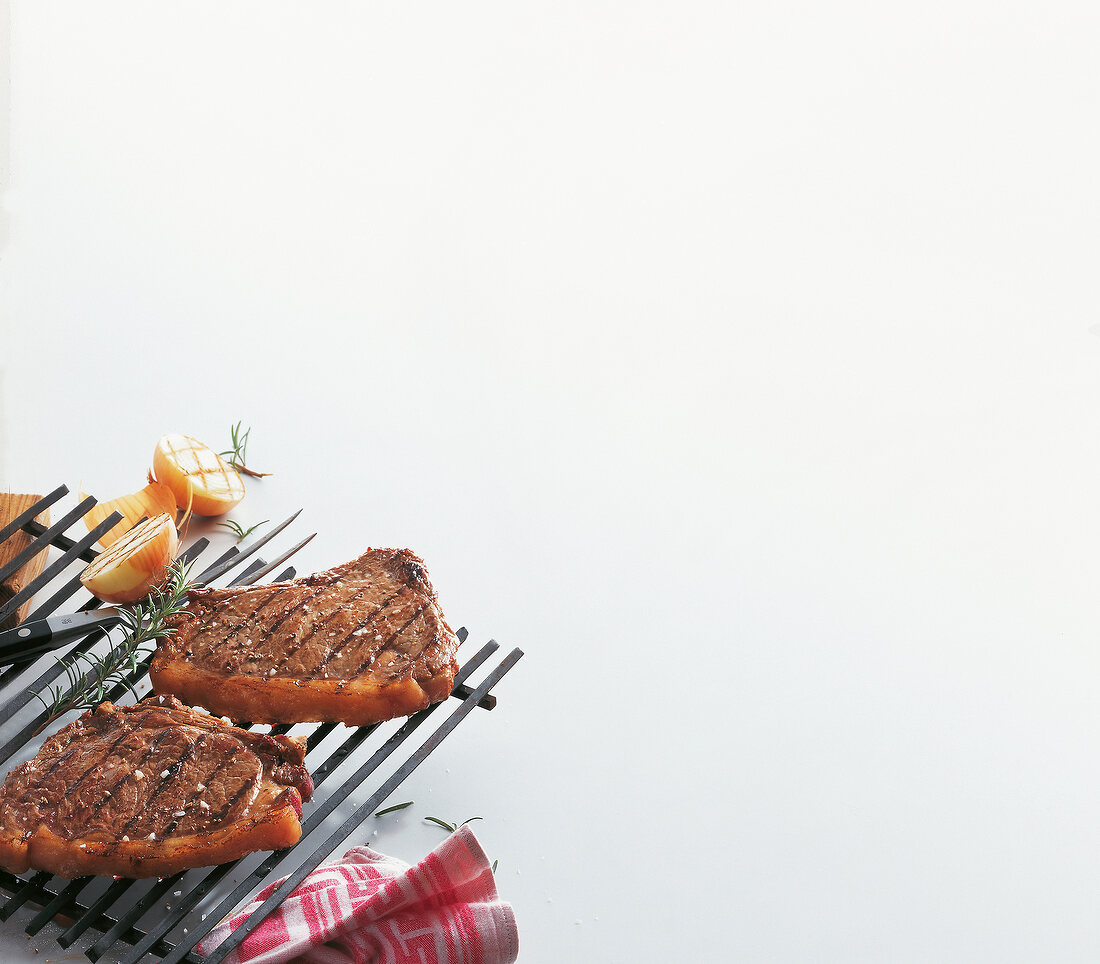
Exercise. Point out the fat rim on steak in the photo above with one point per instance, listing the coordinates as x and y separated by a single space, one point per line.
358 644
149 790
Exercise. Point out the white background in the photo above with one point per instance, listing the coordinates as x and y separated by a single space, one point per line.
738 361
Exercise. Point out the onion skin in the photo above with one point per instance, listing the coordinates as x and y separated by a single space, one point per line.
199 478
153 500
135 564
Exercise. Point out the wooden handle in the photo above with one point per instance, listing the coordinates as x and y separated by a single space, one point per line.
11 505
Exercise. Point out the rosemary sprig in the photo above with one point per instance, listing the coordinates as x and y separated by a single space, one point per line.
239 452
452 827
89 678
399 806
238 530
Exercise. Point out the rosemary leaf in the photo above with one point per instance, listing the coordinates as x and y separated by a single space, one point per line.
89 678
452 826
239 451
399 806
495 862
238 530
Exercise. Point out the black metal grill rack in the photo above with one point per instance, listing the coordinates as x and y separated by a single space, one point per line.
118 913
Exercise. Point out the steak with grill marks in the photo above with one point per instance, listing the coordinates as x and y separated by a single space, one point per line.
358 644
150 790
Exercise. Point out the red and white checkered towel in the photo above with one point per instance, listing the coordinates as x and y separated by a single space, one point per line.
367 908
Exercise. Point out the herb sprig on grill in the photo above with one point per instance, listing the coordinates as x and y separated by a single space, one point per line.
89 678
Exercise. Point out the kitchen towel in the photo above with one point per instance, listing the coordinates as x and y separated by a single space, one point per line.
367 908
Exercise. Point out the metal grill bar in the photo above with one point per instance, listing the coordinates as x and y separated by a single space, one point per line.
54 568
43 541
44 610
23 893
21 896
64 594
317 736
131 916
316 817
245 575
59 904
319 775
204 886
116 692
279 560
28 514
260 914
63 897
64 543
21 699
204 577
487 702
74 584
108 897
42 894
121 689
219 568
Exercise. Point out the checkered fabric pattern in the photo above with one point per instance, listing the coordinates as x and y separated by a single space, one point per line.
367 908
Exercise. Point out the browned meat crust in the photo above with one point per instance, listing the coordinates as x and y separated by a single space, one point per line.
358 644
150 790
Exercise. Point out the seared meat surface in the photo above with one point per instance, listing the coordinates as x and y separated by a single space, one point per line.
149 790
357 644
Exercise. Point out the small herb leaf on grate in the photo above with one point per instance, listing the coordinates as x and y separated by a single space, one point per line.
397 806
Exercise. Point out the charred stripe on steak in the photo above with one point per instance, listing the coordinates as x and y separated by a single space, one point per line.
357 644
150 790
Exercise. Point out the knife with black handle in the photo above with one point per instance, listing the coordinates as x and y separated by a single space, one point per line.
32 639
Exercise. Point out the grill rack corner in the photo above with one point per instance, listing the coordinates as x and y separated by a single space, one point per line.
108 914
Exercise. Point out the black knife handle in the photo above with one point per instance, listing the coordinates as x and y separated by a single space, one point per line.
30 641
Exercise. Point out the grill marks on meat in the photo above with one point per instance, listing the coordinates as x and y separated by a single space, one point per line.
357 644
205 645
149 790
387 658
318 629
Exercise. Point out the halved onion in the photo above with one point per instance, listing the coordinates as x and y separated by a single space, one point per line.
154 499
197 475
135 563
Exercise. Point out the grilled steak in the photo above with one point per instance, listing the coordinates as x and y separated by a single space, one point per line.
150 790
358 644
